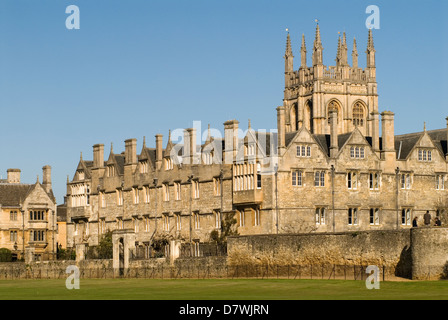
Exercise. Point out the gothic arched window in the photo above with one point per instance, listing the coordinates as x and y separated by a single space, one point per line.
358 114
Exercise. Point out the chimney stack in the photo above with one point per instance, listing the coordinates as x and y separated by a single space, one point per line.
46 178
231 141
375 131
98 155
159 150
388 133
281 129
13 176
189 156
130 155
334 148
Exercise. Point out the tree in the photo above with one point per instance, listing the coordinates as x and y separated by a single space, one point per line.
228 228
5 255
105 247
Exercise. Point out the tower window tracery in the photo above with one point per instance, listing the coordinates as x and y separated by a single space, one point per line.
358 115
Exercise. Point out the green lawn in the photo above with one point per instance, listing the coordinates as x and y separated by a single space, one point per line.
219 289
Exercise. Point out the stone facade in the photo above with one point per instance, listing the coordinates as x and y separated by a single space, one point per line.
28 216
326 169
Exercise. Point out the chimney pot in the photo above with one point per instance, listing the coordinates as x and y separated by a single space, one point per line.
46 178
231 140
13 176
98 155
334 148
131 151
159 150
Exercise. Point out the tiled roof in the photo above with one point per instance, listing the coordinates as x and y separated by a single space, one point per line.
13 194
406 142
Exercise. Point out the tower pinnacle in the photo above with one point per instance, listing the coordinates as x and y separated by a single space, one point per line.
289 66
318 49
370 51
303 52
355 55
344 51
338 53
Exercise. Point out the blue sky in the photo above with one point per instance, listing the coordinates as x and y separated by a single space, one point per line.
140 67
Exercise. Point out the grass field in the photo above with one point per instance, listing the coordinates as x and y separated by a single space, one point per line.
219 289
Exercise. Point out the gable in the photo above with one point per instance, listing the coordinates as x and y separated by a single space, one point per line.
424 143
303 136
38 195
84 167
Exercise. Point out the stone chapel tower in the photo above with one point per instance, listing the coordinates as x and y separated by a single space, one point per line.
311 93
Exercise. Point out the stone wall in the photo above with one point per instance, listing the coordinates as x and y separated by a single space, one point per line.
389 249
155 268
418 253
429 253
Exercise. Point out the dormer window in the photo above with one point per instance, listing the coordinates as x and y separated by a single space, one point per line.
424 155
208 158
169 165
143 166
357 152
110 171
251 150
303 151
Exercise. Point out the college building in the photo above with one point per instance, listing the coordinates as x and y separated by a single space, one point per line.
326 168
28 216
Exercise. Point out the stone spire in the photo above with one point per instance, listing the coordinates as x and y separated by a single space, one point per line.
370 45
289 57
370 51
344 51
209 136
318 49
355 55
303 52
338 53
